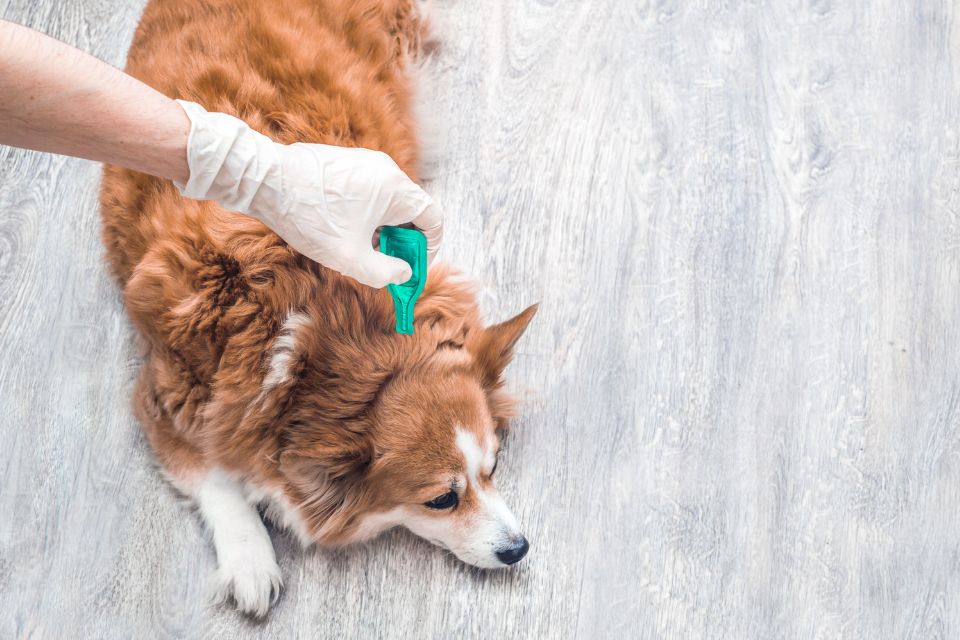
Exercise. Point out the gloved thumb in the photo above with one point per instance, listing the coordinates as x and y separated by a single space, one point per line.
377 270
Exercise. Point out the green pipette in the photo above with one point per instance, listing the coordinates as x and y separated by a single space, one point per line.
410 246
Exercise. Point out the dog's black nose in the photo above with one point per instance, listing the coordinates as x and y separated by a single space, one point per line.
514 553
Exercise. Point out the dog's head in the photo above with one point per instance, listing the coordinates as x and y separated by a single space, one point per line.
381 429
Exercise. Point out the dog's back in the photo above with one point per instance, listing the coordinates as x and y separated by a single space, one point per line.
329 71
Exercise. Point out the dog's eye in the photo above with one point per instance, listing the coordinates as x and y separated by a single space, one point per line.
446 501
494 470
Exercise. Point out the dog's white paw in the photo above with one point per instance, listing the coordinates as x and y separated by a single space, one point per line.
252 582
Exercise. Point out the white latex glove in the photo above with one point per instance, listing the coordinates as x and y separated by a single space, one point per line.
326 202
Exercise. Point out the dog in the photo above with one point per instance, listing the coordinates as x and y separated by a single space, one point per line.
270 381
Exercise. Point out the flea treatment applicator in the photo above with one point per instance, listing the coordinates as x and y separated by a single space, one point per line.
410 246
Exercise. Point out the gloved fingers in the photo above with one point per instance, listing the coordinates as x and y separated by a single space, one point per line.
430 222
375 269
414 206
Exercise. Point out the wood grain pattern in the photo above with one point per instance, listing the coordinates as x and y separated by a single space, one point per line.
742 390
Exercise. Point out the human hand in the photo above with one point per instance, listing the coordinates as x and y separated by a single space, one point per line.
325 201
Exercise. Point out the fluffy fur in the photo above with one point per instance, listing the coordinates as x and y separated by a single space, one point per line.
270 379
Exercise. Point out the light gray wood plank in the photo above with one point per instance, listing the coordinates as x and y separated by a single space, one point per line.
742 392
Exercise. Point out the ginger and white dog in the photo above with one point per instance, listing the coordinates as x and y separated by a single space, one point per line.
270 380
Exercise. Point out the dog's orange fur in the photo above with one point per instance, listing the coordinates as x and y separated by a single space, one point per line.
364 420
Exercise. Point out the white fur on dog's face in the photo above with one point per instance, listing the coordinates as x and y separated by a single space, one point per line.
479 527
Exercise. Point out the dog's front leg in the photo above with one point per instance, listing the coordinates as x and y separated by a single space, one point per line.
247 566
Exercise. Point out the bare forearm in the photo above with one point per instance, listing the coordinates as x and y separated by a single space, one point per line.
58 99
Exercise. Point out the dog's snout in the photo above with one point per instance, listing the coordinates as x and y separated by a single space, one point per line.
515 552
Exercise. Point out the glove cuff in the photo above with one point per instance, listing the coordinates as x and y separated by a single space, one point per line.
229 162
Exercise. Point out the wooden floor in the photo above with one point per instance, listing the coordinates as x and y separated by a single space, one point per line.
742 391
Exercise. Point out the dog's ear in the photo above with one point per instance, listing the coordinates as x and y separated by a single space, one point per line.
326 434
492 349
327 473
317 455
